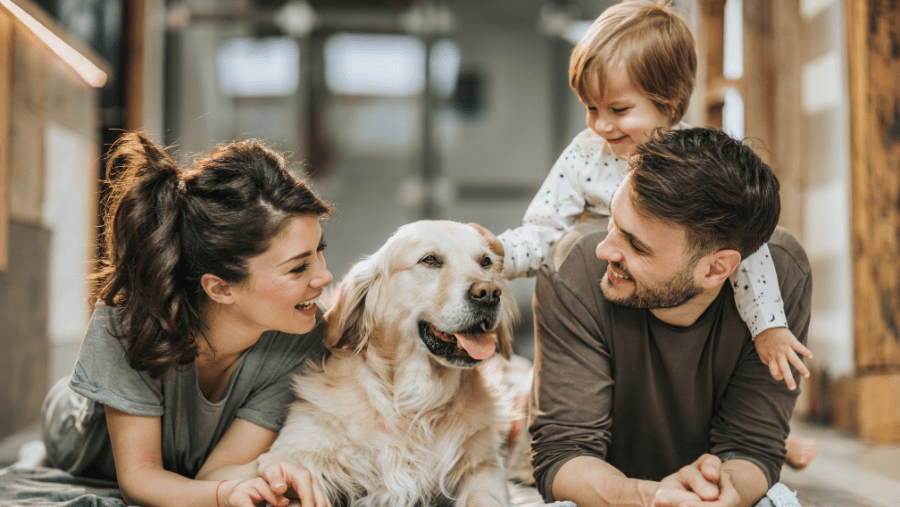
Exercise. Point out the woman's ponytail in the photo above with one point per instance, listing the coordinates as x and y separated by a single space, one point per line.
142 269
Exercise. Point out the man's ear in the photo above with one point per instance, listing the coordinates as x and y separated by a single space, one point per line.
715 268
217 289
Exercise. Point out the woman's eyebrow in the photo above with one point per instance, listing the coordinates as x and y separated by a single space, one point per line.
304 254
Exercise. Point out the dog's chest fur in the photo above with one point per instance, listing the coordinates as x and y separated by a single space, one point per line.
387 438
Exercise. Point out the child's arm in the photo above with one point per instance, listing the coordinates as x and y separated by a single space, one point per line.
559 204
758 299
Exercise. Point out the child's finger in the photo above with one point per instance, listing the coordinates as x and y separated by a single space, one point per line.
801 368
774 370
803 351
786 373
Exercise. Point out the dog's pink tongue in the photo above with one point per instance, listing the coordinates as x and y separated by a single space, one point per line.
479 346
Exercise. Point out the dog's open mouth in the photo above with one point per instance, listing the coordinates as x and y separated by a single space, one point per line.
465 347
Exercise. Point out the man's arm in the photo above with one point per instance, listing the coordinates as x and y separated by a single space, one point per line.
748 480
590 481
573 385
753 421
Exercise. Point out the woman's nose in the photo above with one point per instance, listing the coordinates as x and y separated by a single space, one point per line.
323 276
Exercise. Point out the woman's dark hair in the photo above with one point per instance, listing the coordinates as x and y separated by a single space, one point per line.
165 228
712 185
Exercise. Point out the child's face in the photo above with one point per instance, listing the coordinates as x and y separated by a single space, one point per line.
625 117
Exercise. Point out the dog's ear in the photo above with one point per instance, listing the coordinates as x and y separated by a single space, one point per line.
349 323
508 322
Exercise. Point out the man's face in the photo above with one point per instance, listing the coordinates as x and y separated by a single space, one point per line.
649 266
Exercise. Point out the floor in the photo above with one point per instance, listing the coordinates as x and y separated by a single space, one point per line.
845 473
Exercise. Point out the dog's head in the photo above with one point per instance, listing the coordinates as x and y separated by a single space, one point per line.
436 288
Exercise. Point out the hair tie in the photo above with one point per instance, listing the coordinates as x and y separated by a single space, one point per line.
181 186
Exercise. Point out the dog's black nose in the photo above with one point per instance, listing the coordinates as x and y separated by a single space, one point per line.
486 293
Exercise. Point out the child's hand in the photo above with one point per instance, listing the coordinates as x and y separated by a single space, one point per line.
492 241
776 347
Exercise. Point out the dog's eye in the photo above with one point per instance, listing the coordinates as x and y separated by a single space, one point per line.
486 262
431 260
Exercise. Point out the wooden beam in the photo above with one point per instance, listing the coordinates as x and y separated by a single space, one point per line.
6 55
787 144
874 64
712 41
135 11
758 81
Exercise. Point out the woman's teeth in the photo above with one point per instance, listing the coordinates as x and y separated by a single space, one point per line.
307 305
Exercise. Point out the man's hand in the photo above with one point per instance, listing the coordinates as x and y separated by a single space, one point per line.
777 347
701 483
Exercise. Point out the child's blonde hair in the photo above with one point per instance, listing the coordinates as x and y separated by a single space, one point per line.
653 43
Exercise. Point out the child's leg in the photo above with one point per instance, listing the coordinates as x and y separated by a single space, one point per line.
800 452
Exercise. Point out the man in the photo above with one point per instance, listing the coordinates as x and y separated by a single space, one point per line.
648 389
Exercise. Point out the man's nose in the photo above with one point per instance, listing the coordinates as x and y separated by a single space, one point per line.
606 251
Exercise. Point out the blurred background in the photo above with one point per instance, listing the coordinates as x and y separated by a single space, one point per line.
397 110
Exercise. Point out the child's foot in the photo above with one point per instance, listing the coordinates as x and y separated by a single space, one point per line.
800 452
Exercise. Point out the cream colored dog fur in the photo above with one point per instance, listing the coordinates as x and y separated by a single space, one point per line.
399 415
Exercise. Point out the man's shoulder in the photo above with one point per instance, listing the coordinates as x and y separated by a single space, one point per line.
575 251
787 253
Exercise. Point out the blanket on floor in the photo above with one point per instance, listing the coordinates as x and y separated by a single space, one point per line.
48 487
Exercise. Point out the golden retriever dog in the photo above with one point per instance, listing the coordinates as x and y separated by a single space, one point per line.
399 415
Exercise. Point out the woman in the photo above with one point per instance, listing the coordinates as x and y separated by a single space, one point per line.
208 288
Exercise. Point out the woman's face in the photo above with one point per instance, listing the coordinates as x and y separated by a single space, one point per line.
285 281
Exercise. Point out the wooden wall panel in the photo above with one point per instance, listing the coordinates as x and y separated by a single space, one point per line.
29 121
6 52
874 66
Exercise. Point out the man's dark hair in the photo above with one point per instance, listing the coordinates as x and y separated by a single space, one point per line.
714 186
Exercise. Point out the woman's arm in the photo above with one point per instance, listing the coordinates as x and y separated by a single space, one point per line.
239 455
137 449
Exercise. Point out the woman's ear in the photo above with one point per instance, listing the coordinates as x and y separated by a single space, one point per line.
217 289
715 268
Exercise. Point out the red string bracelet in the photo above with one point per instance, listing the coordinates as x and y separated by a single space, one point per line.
217 491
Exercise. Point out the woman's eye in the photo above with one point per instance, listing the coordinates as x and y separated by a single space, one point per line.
301 268
619 110
486 262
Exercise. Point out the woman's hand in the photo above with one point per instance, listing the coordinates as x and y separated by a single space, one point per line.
287 478
248 493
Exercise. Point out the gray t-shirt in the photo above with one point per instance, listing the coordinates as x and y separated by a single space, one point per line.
258 391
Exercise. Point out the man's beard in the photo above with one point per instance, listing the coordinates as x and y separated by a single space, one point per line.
675 291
